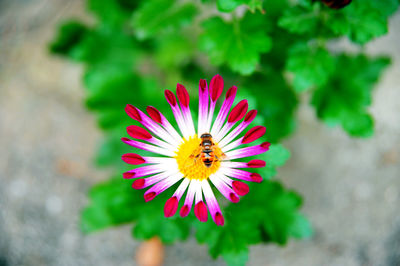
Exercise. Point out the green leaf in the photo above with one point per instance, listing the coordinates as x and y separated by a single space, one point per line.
361 21
104 46
230 5
311 66
114 13
155 17
238 43
346 96
276 156
115 202
276 103
236 259
269 213
111 204
301 19
152 222
174 50
70 35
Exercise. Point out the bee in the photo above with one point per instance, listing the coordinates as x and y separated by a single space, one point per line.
206 152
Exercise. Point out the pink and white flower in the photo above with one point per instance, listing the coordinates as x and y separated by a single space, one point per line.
175 161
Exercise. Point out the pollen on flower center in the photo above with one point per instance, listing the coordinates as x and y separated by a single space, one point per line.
190 161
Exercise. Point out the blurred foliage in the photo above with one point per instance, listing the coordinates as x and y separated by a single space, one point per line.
273 50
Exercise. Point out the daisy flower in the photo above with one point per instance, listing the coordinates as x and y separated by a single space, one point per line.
195 159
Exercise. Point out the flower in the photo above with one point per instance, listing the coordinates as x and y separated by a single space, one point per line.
187 159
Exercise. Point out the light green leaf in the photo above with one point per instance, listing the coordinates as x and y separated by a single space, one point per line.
230 5
311 66
301 19
112 13
236 259
155 17
174 50
238 43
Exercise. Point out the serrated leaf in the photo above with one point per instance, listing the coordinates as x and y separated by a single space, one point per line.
361 20
238 43
311 66
346 96
159 16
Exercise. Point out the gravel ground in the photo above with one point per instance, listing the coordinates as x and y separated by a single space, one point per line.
351 187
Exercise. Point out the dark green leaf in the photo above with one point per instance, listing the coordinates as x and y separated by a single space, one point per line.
276 103
69 35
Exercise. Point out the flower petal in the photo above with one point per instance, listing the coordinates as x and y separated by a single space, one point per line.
223 112
248 151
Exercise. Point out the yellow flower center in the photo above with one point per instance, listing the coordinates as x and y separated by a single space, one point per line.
191 162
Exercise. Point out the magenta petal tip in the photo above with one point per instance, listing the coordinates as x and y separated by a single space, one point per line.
234 198
170 207
265 145
250 116
170 96
183 95
238 111
219 219
203 84
128 175
240 188
137 132
184 211
216 87
133 158
138 183
256 163
133 112
256 177
154 114
200 210
254 134
149 196
231 92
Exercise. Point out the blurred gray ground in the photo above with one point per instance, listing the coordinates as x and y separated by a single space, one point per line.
351 187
